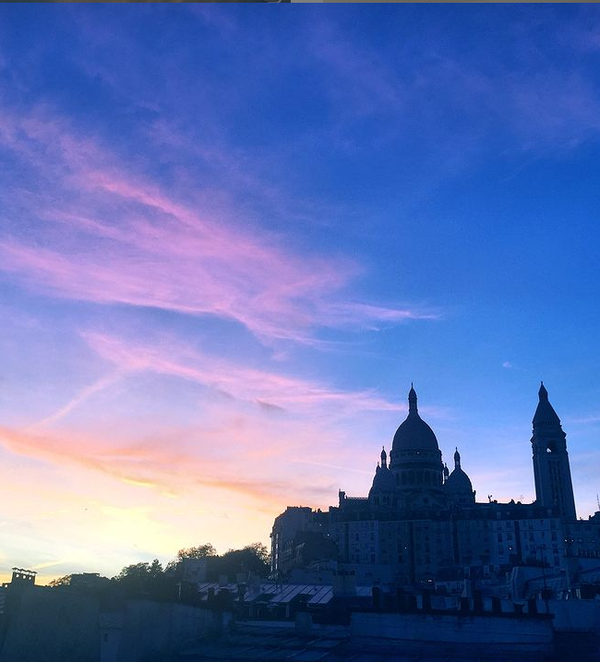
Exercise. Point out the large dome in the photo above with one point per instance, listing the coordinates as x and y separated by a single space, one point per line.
414 433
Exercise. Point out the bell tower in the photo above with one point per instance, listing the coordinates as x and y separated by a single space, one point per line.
553 486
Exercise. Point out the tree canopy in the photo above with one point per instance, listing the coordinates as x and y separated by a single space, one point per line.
253 559
65 580
145 579
150 579
199 552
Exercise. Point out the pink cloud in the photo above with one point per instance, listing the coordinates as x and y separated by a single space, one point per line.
169 466
248 384
132 242
255 443
123 463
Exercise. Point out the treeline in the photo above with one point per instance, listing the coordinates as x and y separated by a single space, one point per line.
150 579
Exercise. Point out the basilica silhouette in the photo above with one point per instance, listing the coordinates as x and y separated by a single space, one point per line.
421 522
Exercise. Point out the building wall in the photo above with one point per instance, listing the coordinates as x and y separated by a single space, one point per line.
292 521
419 546
151 629
582 537
49 625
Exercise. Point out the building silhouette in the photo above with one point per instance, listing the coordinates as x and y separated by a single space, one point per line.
421 522
553 487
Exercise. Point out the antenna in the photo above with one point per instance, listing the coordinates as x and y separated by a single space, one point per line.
598 501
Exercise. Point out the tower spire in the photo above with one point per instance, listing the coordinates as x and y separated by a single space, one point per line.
412 400
456 458
544 412
552 473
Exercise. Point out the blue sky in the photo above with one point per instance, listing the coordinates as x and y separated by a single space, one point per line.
231 237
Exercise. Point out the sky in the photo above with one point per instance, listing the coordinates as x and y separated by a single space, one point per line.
232 236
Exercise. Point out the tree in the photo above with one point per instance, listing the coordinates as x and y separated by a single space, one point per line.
199 552
155 570
144 579
261 552
65 580
251 559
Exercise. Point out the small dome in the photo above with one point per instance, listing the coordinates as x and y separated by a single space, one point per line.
414 433
459 482
384 481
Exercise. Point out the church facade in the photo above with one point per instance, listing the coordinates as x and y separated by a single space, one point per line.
421 521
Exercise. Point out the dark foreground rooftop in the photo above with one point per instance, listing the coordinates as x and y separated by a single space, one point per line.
259 643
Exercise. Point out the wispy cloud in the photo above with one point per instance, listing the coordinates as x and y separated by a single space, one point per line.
167 469
267 389
365 83
79 399
137 244
122 463
532 102
592 419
